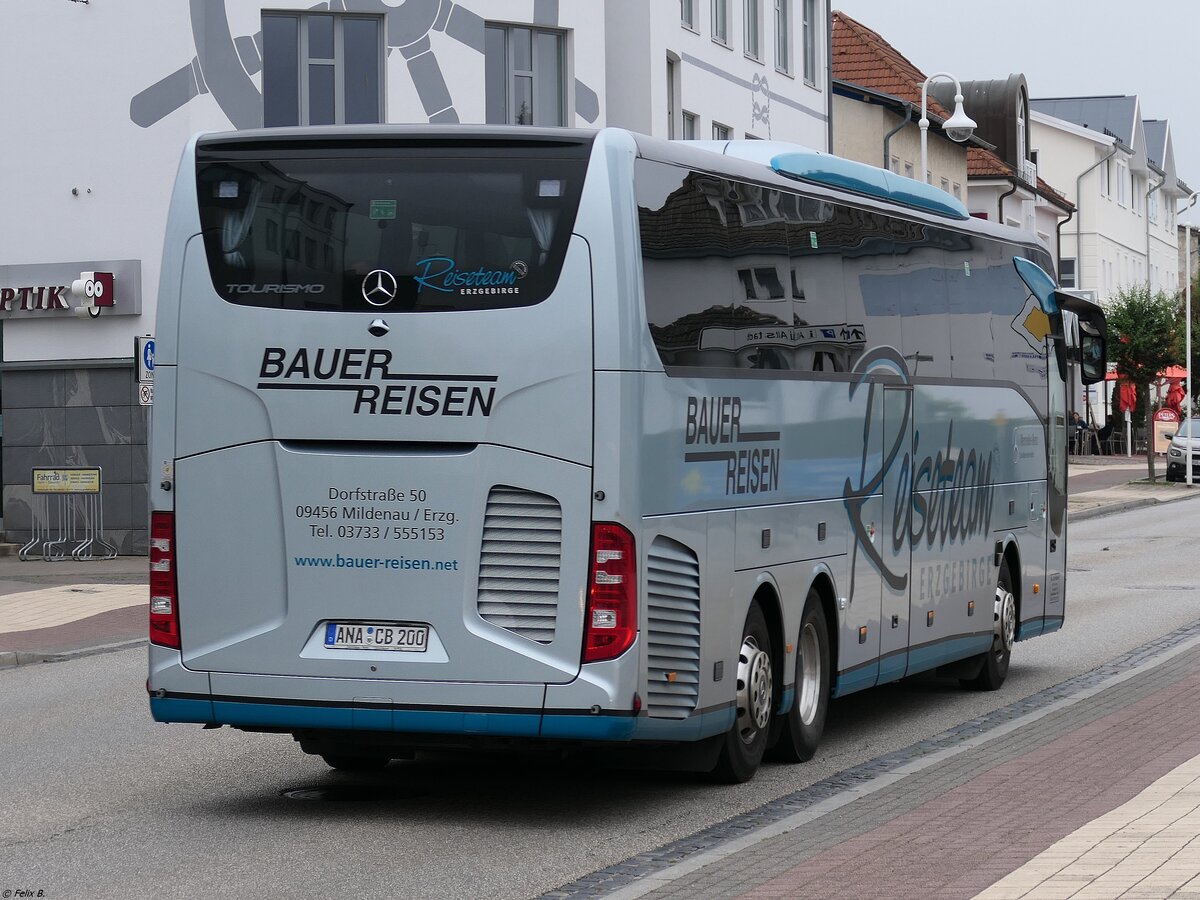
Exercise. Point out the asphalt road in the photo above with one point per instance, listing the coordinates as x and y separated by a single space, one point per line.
101 802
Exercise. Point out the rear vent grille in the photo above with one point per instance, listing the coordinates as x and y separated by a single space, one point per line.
519 562
673 629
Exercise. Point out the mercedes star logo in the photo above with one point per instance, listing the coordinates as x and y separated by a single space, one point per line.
379 287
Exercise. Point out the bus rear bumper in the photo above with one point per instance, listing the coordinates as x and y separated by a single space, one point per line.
289 704
282 716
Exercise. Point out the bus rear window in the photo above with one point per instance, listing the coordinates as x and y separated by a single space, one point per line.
394 234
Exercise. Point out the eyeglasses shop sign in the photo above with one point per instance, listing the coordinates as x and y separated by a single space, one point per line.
90 289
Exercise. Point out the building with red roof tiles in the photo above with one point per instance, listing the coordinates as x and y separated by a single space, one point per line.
876 107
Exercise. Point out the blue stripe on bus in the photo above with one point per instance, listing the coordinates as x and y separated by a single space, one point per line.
285 715
1029 629
856 679
177 709
930 656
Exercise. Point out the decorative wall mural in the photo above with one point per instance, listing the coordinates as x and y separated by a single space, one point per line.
224 65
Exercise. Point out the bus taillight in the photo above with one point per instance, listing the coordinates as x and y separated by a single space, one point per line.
164 604
610 619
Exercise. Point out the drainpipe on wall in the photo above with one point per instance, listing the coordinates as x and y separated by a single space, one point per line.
1079 221
1058 250
1000 202
887 138
829 75
1161 182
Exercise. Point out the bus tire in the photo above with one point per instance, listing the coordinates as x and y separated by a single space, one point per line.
995 661
348 763
745 743
801 727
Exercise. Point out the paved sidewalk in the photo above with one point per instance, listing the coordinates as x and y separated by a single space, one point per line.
51 611
1088 789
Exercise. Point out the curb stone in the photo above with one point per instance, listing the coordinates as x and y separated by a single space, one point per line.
10 659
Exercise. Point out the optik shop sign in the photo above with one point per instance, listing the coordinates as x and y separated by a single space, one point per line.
87 289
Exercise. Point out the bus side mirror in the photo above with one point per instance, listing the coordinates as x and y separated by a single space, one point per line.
1093 356
1093 337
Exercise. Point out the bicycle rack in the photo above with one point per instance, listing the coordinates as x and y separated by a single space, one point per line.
68 516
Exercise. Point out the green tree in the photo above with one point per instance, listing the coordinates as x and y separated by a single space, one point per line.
1143 334
1181 334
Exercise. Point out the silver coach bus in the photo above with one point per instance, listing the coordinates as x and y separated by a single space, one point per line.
481 436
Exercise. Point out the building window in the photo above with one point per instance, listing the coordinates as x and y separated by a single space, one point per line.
687 14
322 69
783 35
895 165
1066 273
1021 116
720 132
689 126
672 96
908 170
1122 178
720 21
752 27
957 191
810 41
1105 180
524 76
946 185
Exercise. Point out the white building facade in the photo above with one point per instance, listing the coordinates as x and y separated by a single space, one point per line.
87 189
1095 150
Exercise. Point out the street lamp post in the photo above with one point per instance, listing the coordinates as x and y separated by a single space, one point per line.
959 127
1187 324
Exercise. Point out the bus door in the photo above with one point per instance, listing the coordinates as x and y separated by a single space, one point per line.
894 544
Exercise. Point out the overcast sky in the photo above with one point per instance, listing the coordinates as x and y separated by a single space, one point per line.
1064 48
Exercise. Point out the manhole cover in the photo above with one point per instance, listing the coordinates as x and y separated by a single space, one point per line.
353 793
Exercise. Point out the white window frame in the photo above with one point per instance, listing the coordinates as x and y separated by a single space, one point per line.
1062 273
689 125
721 132
535 76
809 29
1105 180
687 14
752 29
720 22
1122 179
783 36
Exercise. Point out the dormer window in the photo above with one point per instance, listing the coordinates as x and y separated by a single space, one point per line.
1022 118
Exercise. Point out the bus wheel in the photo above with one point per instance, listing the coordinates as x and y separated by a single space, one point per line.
349 763
801 727
745 743
1004 631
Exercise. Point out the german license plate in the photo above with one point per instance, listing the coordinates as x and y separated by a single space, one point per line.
401 636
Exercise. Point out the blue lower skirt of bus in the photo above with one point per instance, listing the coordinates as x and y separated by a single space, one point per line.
250 714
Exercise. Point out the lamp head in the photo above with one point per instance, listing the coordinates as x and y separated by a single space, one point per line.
959 127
